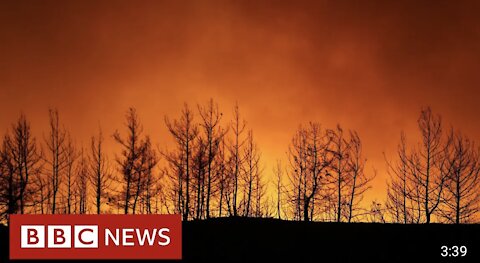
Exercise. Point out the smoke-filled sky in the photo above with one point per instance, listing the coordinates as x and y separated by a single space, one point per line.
368 65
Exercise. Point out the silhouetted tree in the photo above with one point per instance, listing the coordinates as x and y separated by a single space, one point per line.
462 186
199 164
20 163
200 161
278 172
399 199
359 181
211 118
57 161
10 184
261 206
222 175
71 156
403 202
236 160
419 177
143 171
340 169
40 198
251 172
429 163
184 132
132 160
153 188
81 183
309 158
174 171
100 175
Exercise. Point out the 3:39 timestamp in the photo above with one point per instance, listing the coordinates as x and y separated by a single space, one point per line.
453 251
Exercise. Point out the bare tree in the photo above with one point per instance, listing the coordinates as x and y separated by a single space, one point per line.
143 171
222 175
340 170
100 174
403 192
57 161
132 159
20 164
238 127
309 159
153 188
199 165
81 184
298 169
29 159
211 118
174 171
399 188
429 163
261 205
359 181
71 156
184 131
10 189
419 177
462 187
278 172
40 198
251 172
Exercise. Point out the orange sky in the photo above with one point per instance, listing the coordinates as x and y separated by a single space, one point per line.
367 65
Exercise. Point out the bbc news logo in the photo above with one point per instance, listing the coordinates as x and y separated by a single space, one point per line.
33 236
95 237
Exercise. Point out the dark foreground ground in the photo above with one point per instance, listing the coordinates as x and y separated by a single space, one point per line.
270 240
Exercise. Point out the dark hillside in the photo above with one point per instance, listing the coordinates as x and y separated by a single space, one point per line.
248 240
267 239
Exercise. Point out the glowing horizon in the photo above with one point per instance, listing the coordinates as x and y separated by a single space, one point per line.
370 68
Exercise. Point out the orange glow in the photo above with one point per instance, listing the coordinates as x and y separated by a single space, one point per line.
369 67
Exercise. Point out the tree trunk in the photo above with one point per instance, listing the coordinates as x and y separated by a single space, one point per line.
187 182
457 197
305 209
